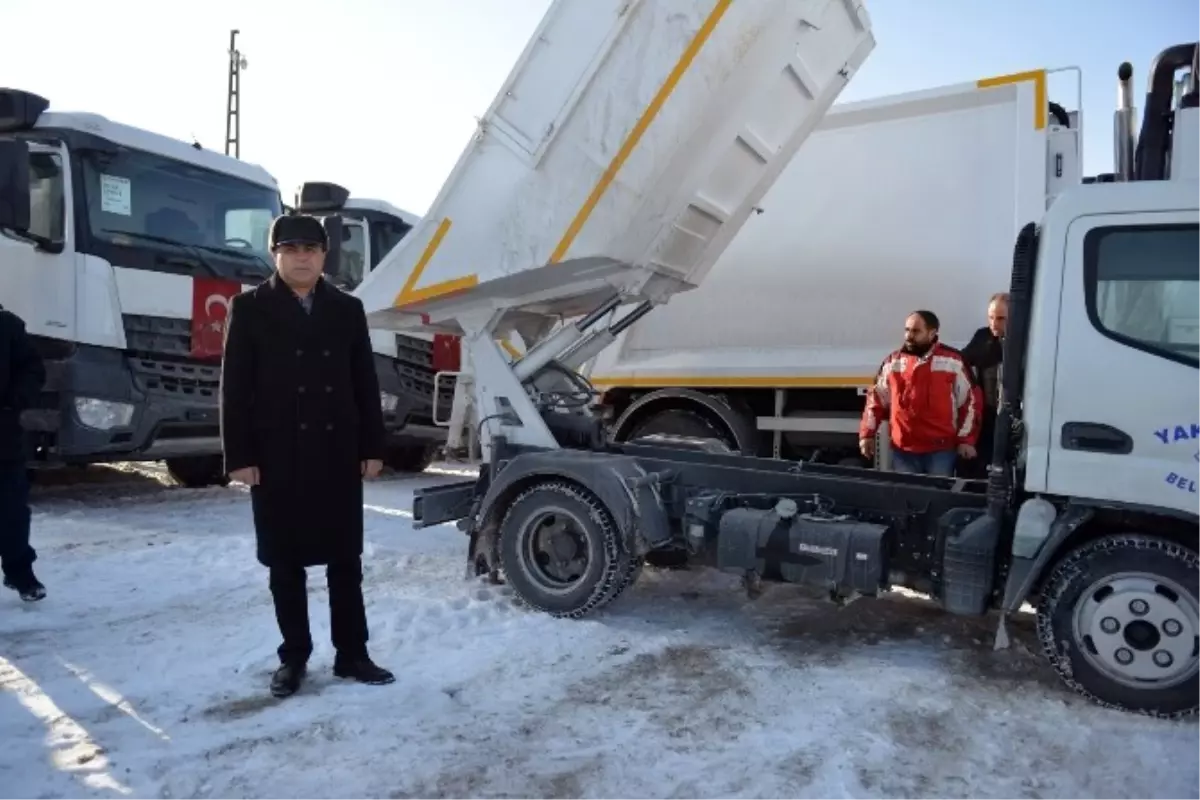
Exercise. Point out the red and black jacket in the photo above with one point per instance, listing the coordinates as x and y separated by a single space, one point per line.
931 402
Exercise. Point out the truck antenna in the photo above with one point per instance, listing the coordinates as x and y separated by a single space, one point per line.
233 105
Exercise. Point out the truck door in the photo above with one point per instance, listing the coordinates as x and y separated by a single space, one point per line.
37 283
1125 424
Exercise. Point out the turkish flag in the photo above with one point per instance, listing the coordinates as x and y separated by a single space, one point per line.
210 310
447 353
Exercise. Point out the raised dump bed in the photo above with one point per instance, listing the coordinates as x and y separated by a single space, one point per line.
640 131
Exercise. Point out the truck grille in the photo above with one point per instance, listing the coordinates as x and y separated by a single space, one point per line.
159 349
163 335
415 368
184 380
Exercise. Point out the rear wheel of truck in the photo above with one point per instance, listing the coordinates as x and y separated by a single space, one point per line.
410 457
197 472
561 551
1119 620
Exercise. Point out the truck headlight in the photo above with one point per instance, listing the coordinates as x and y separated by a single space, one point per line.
389 402
103 415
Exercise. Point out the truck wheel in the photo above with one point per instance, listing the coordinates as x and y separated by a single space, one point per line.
196 472
561 551
683 423
410 457
1119 620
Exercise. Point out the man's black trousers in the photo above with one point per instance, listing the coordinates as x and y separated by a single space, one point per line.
16 556
347 613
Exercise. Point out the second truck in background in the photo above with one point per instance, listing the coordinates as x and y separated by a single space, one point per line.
921 195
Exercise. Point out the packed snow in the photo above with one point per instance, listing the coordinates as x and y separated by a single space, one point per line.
145 673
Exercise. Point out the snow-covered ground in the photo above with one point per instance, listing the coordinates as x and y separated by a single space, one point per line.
145 672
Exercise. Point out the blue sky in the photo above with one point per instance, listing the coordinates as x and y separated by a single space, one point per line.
408 77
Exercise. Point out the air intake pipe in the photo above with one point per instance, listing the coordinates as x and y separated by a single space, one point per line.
1154 143
1123 120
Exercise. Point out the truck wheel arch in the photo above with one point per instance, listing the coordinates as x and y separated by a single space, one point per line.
617 482
1080 523
735 424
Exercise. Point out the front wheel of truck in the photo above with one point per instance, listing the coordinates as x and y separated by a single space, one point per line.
1119 620
197 472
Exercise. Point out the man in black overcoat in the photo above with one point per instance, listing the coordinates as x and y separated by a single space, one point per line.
22 374
301 424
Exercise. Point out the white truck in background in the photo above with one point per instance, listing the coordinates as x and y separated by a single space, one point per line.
577 215
1089 509
921 195
120 249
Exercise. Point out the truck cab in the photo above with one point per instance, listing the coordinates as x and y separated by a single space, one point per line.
405 363
121 250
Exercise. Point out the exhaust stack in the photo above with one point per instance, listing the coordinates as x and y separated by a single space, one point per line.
1123 124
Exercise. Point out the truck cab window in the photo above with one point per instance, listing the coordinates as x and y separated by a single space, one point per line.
47 211
251 225
1142 287
386 235
354 254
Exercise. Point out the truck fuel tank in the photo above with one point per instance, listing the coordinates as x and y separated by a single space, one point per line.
817 549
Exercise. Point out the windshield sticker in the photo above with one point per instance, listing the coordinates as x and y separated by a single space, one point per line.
1180 433
115 195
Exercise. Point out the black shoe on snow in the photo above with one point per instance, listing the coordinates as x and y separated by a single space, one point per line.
363 670
287 679
29 587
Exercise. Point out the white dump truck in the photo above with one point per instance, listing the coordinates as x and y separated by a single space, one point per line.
919 195
121 249
662 126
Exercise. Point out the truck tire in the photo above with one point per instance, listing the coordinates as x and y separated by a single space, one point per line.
1119 620
683 423
410 457
690 414
561 551
197 472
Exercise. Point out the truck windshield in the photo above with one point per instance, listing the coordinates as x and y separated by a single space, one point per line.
152 201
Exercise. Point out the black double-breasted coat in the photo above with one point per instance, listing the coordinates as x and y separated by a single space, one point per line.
300 401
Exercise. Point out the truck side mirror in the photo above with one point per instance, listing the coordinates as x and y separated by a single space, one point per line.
333 256
14 185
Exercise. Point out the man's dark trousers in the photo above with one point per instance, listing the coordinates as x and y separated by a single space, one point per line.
347 613
16 556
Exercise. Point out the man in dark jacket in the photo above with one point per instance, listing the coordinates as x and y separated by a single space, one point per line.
301 424
22 374
984 354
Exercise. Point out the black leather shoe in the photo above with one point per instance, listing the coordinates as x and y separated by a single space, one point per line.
287 679
28 586
363 670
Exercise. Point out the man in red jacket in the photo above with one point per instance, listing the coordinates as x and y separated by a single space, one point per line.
932 405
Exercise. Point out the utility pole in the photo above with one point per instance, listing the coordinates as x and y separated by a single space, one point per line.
233 106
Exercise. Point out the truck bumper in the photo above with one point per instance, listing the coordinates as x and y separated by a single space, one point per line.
100 404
